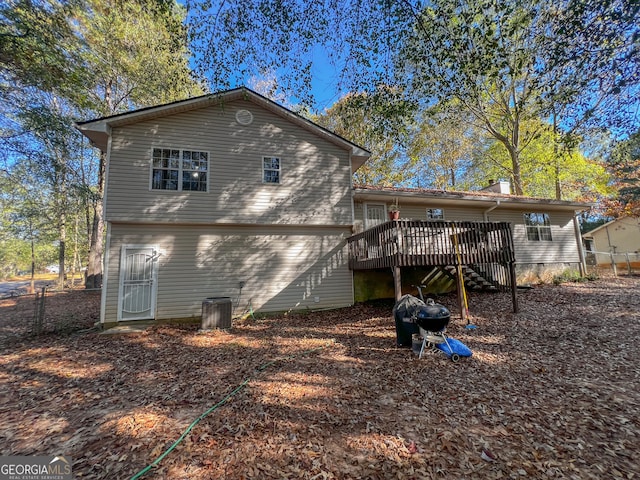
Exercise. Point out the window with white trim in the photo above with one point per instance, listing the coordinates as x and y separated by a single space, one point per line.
271 169
180 170
538 227
435 214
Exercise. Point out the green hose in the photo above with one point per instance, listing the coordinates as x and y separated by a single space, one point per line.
262 367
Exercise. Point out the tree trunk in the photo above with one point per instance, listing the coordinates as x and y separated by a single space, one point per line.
94 269
76 255
557 174
61 200
61 250
517 177
96 247
555 157
32 285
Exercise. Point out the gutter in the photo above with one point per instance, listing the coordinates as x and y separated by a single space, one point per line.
451 196
490 209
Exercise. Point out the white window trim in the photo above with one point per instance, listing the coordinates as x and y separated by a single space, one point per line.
189 149
537 227
436 208
262 159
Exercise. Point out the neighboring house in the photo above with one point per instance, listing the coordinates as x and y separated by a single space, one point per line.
620 236
233 195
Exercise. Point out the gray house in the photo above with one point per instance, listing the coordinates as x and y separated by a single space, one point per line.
227 194
231 194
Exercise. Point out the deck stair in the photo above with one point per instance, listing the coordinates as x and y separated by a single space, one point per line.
472 279
484 249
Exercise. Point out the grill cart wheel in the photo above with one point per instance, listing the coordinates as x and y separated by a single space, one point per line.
455 357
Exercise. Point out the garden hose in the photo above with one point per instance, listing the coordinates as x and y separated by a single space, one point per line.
261 368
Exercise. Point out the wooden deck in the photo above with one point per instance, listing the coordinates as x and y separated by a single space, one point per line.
486 247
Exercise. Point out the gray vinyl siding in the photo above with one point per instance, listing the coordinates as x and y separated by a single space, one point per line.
419 212
562 249
284 267
315 173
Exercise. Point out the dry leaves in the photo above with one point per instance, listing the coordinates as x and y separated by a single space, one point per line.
552 392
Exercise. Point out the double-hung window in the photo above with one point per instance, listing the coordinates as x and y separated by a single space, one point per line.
538 227
271 169
435 214
181 170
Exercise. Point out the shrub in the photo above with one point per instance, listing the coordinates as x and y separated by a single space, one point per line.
571 275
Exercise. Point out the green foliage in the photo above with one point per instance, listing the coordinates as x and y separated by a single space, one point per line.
136 55
376 123
238 39
546 168
37 44
592 224
22 223
624 164
442 143
79 59
592 63
508 65
573 276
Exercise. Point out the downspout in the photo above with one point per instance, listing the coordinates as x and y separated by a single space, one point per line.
581 256
490 209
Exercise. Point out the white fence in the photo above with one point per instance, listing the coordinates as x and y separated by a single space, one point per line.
619 263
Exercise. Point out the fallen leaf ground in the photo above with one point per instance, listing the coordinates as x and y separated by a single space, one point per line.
551 392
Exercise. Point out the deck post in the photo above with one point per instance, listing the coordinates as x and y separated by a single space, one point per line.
614 267
397 282
514 287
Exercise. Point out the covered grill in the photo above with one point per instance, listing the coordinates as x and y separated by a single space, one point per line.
412 314
404 313
433 317
430 319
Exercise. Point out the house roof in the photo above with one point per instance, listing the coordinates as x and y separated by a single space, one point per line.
99 129
471 198
624 220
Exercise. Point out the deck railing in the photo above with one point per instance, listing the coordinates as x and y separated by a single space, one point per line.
402 243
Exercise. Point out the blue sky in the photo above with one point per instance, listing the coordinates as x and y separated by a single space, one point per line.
325 79
324 87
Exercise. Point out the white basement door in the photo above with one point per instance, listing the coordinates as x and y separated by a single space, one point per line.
137 290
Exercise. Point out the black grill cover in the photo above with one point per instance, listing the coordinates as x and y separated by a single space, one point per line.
404 313
408 306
